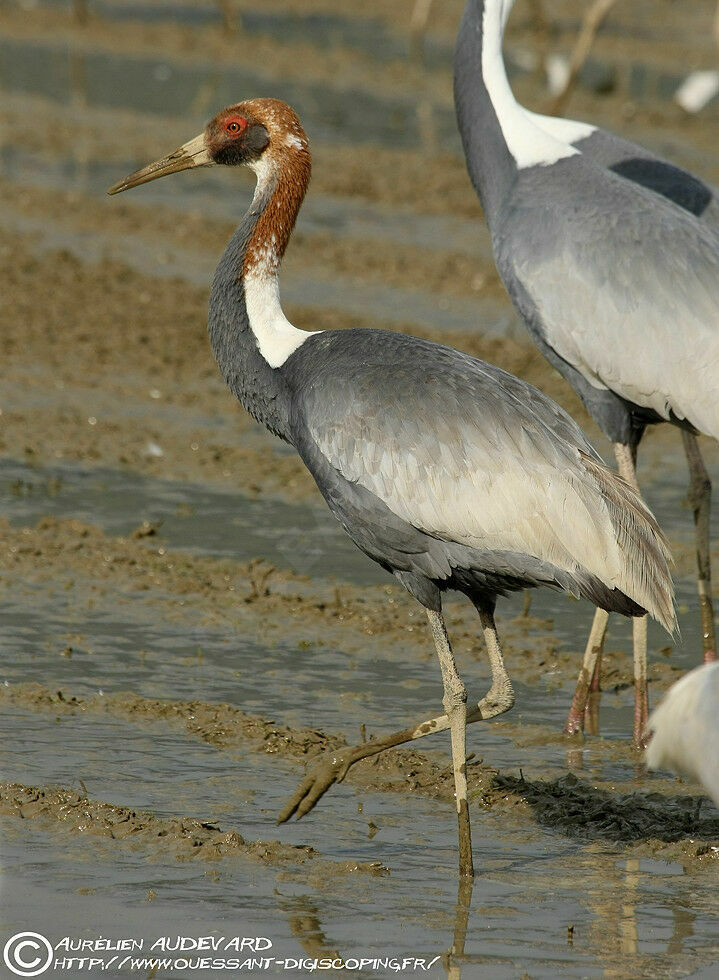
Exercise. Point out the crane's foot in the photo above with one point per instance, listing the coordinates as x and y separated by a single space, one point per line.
316 783
498 699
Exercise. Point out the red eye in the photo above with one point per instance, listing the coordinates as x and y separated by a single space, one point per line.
236 126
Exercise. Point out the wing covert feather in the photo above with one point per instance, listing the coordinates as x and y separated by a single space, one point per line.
468 453
627 293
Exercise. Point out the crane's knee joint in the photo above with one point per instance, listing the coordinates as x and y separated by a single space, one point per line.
454 697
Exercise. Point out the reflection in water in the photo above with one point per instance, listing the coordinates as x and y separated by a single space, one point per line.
453 959
628 917
684 920
619 929
304 919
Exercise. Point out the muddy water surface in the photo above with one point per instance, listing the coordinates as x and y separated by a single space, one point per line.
184 628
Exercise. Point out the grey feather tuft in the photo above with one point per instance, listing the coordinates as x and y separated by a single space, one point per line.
643 545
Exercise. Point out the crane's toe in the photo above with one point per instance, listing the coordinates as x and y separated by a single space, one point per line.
315 785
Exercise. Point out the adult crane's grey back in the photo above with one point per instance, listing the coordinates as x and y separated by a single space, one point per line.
637 164
595 264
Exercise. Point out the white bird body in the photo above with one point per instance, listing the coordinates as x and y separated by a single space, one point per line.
684 729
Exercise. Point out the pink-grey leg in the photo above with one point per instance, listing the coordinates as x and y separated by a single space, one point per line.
700 495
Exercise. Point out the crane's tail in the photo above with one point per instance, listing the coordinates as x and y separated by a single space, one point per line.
645 557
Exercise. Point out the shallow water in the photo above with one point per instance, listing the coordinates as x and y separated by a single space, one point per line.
525 903
125 647
161 85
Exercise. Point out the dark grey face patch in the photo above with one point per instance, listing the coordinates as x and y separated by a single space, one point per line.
244 150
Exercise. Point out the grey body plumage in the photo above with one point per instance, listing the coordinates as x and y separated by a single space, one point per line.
386 423
611 257
640 166
595 263
447 471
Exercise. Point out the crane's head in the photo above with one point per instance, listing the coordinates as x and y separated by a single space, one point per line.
247 133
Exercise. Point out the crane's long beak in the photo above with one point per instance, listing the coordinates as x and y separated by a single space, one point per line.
192 154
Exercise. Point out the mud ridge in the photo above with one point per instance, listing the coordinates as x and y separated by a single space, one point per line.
186 838
665 826
223 726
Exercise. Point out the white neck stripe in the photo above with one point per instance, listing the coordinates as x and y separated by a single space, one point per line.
565 130
529 145
276 337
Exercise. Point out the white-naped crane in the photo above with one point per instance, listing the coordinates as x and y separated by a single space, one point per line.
447 471
700 198
617 284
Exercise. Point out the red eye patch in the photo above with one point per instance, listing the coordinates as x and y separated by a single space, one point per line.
235 125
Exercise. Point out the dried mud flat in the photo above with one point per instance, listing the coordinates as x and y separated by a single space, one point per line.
169 673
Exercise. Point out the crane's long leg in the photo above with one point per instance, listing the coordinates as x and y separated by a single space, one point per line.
700 495
455 705
334 768
590 668
626 456
627 463
500 697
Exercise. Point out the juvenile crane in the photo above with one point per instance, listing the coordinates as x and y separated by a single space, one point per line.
447 471
617 284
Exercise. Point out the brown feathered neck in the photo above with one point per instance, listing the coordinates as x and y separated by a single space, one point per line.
283 173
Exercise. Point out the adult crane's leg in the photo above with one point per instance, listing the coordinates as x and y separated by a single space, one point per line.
626 456
500 697
627 464
589 673
455 706
335 767
700 495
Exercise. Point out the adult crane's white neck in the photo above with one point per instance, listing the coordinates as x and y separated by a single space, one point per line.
529 145
275 336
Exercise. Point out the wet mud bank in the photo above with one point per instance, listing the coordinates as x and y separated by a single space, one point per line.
63 810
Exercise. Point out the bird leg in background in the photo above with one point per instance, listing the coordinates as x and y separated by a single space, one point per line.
641 698
626 456
591 712
418 27
700 495
335 767
455 705
590 670
583 45
627 462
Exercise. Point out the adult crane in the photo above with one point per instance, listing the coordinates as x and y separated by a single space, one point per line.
447 471
618 285
636 163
